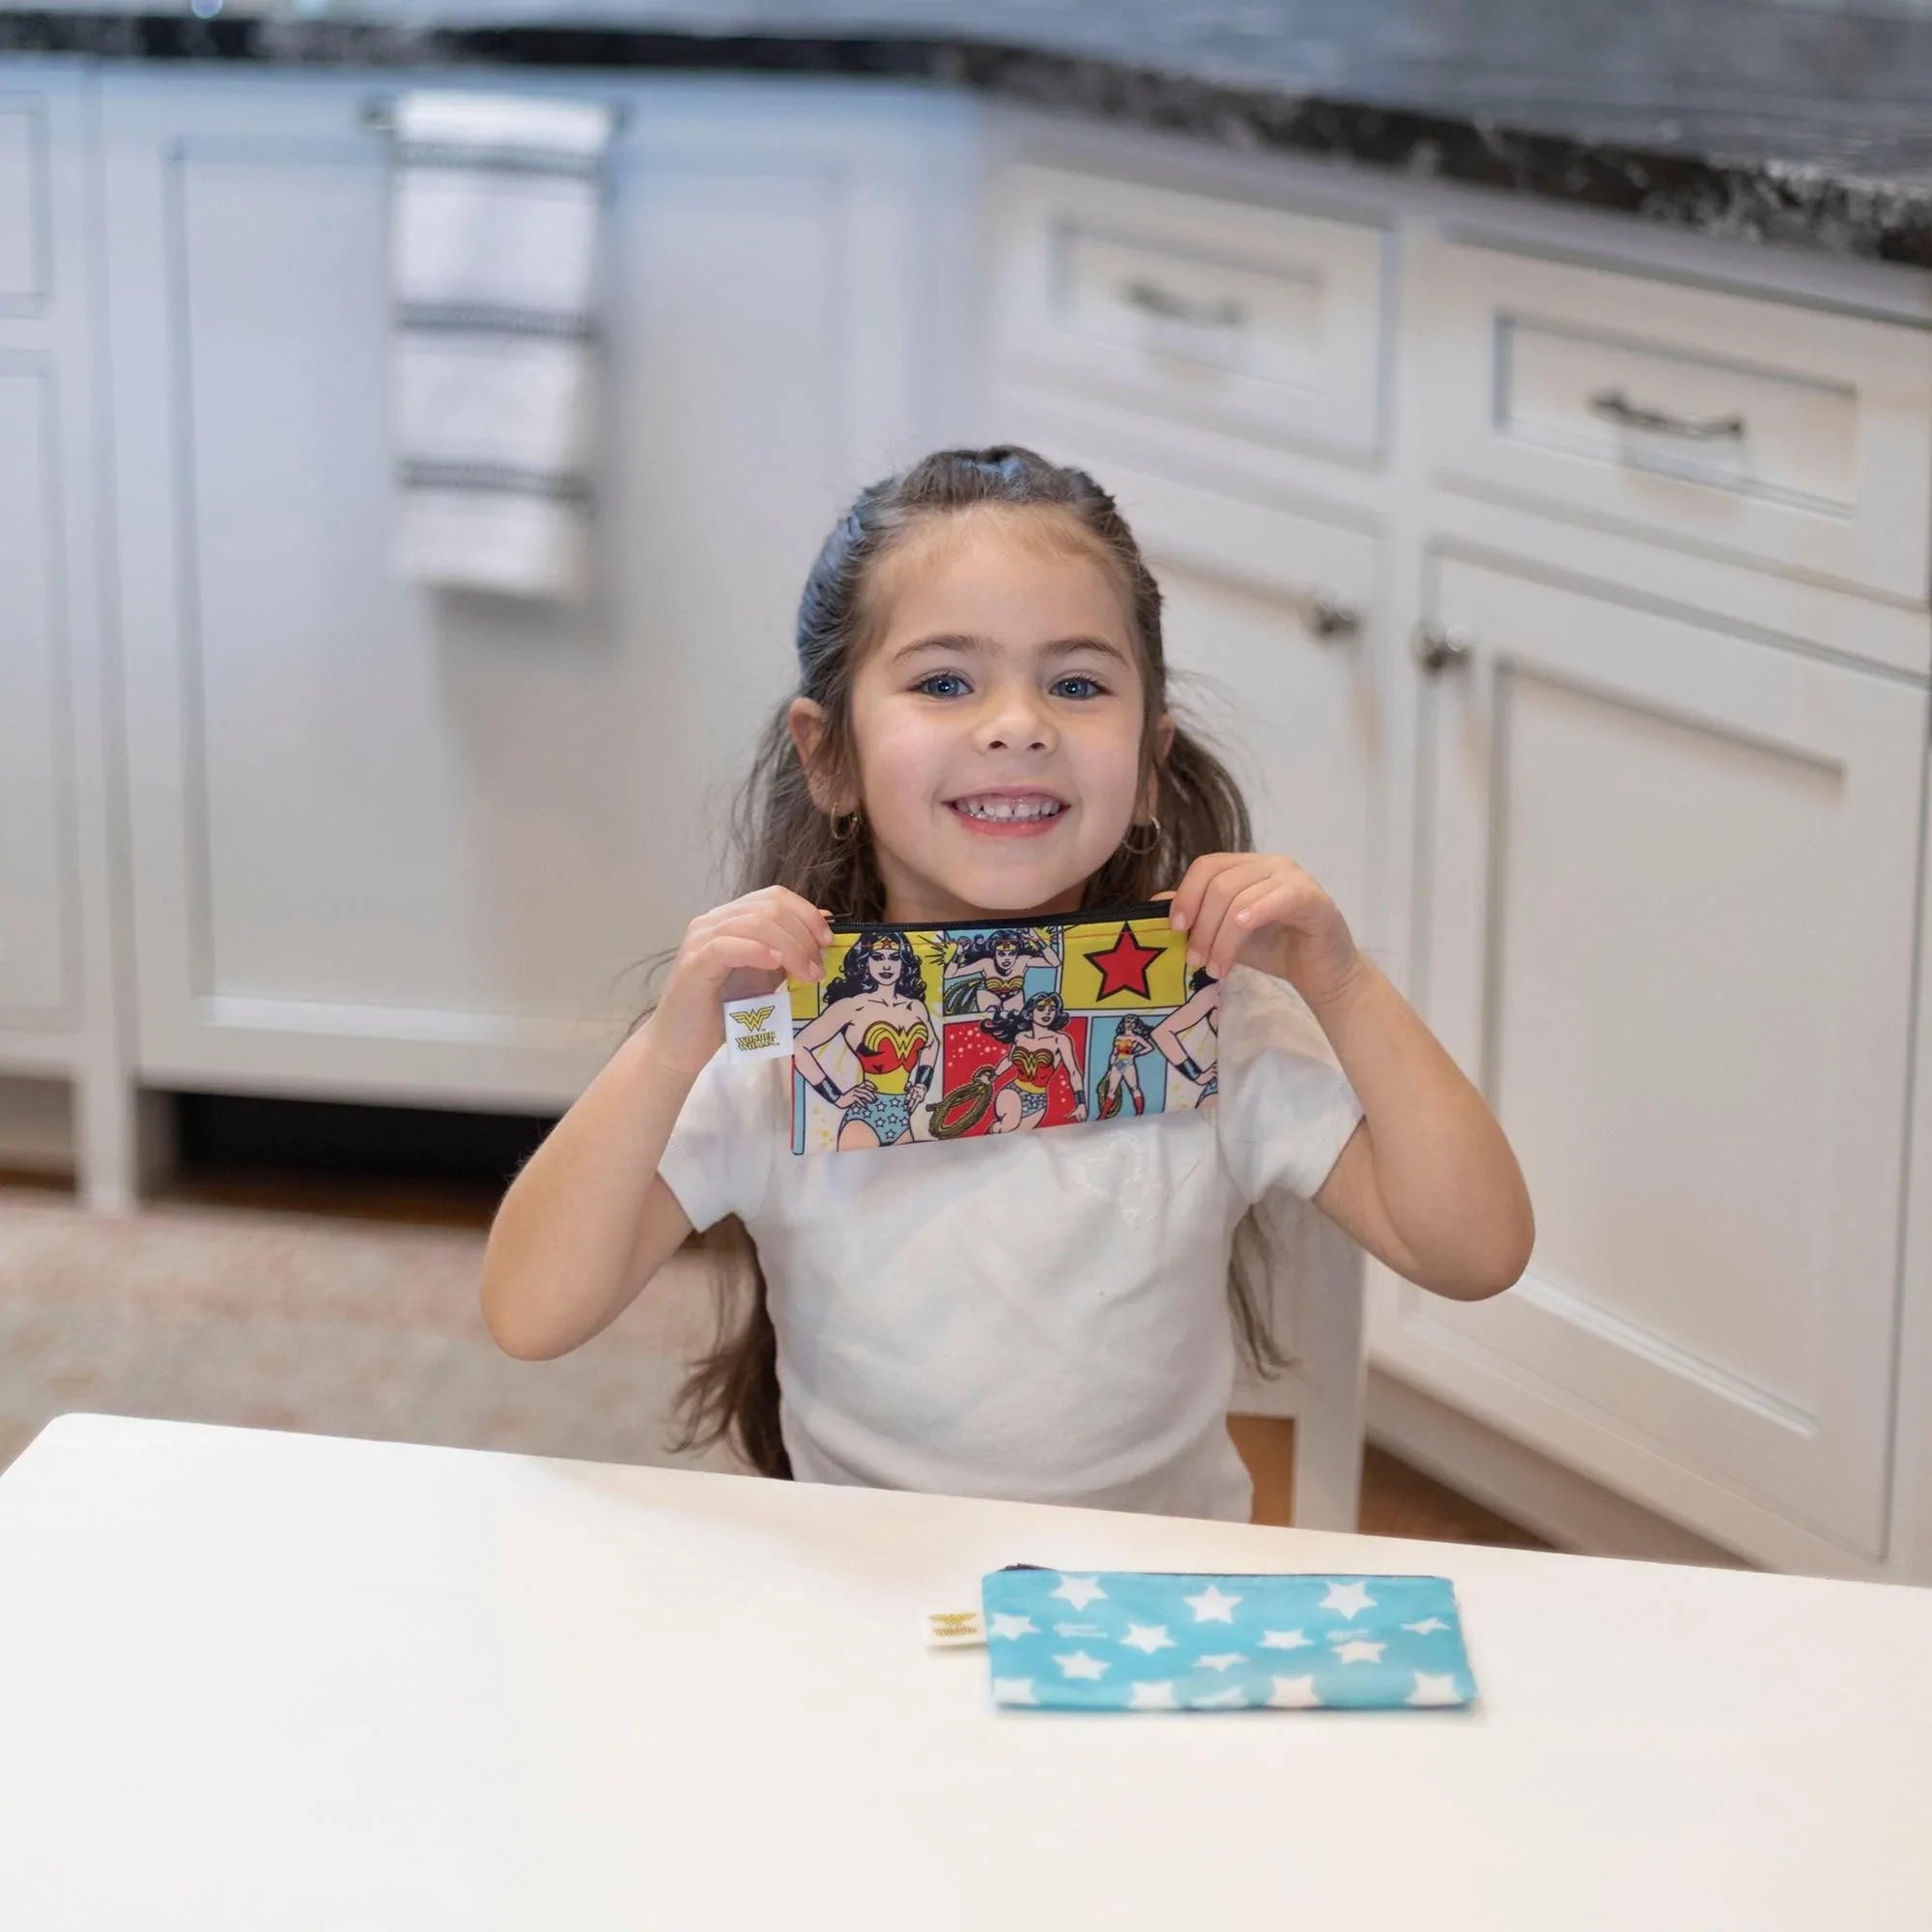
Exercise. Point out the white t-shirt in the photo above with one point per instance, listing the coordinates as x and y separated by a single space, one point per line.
1041 1317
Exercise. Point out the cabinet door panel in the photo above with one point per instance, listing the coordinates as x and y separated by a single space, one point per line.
1667 929
37 857
397 839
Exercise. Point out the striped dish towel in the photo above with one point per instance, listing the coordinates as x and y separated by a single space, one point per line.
493 268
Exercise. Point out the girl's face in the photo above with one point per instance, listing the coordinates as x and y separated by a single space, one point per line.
997 721
1004 959
886 967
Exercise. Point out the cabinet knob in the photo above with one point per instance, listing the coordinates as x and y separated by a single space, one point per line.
1437 646
1329 618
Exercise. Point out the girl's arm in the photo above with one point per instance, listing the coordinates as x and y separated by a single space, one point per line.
1428 1181
588 1222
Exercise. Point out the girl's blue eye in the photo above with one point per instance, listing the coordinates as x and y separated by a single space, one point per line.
931 685
1089 687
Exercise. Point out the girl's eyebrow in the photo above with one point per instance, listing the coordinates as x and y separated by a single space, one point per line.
1060 648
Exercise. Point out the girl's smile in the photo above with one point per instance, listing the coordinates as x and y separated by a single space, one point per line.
1025 814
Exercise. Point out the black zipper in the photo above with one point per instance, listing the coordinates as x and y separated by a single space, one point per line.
1058 922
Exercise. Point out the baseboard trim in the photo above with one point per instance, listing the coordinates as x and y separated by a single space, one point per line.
1562 1507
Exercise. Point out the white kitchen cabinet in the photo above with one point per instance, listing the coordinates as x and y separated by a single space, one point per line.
60 1024
1271 622
38 879
406 844
1667 926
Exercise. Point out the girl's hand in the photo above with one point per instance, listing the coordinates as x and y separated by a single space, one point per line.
769 936
857 1096
1266 912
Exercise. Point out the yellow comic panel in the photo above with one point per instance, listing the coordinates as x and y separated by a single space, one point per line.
1123 965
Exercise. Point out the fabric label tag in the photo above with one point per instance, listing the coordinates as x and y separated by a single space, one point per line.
759 1028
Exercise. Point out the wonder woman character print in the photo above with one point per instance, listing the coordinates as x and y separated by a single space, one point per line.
876 1006
1203 1011
1094 1019
1122 1078
986 972
1033 1054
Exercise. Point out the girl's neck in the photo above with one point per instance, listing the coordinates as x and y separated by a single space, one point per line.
918 906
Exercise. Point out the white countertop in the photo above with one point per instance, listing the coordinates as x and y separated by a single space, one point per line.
266 1682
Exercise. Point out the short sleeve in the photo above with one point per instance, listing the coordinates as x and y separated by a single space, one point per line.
1285 1108
719 1158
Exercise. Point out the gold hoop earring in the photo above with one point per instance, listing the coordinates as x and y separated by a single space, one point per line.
845 824
1154 839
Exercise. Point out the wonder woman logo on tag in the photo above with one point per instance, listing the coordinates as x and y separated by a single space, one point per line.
758 1028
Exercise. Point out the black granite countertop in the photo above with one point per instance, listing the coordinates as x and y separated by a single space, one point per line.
1743 118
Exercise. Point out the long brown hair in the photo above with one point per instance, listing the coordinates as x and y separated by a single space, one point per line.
783 839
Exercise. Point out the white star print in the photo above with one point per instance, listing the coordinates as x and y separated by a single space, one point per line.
1079 1591
1225 1662
1148 1637
1347 1598
1012 1626
1222 1700
1427 1625
1153 1697
1294 1693
1080 1664
1211 1606
1285 1640
1013 1691
1359 1653
1433 1689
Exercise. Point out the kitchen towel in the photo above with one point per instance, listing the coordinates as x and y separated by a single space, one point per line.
1151 1640
493 280
936 1033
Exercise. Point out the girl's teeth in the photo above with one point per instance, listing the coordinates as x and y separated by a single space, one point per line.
1009 808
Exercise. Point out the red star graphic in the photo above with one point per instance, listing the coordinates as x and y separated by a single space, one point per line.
1124 966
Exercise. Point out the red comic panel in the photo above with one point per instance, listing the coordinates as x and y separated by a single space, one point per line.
970 1057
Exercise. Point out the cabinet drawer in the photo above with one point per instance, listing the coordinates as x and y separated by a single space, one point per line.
1728 422
1178 308
23 210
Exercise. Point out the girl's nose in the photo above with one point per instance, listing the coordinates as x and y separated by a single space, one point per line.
1017 720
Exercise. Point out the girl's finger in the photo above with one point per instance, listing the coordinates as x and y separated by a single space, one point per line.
1256 907
1219 894
1203 876
779 911
730 952
800 923
816 920
797 952
1186 907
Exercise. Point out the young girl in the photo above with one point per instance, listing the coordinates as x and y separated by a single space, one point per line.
982 734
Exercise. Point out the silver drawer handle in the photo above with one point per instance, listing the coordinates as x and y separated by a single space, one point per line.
1151 298
1619 408
1329 618
1437 647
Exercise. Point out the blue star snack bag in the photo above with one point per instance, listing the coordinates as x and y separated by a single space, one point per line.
1151 1640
